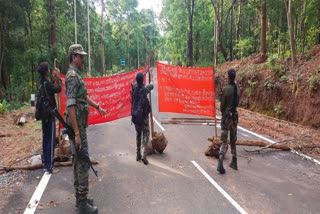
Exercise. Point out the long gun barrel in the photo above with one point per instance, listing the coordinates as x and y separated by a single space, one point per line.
69 131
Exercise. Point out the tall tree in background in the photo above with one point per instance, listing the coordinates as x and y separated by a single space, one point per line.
52 33
263 33
288 6
103 69
190 9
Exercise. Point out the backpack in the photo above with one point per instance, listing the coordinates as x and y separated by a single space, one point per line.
140 105
43 106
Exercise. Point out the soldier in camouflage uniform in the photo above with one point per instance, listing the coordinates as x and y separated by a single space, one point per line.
142 129
229 121
77 113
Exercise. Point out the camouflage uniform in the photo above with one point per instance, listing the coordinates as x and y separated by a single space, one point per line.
77 95
229 120
143 129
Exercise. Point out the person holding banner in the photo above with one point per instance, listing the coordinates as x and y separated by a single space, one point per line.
77 113
47 89
140 114
229 121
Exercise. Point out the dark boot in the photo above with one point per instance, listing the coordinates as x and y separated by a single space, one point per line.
145 161
86 208
233 163
220 165
89 200
138 158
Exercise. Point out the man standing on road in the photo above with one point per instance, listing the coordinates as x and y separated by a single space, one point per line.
48 89
77 113
140 114
229 121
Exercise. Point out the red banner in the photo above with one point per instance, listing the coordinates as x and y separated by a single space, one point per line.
186 90
112 93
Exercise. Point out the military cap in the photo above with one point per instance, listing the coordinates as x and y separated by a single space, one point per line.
76 49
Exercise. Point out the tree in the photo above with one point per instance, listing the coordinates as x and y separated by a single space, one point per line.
190 9
288 6
263 33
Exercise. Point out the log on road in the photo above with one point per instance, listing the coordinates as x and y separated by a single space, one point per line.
39 166
283 145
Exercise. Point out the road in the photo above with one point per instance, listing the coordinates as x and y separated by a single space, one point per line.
181 180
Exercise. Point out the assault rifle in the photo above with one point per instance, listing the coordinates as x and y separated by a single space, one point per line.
69 131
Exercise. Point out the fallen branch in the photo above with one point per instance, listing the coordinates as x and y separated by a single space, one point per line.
283 144
39 166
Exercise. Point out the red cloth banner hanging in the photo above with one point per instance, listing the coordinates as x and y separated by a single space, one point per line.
186 90
112 93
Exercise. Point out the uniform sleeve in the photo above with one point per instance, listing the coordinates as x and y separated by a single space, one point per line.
72 88
54 88
223 101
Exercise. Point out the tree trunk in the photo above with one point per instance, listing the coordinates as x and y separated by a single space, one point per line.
103 69
52 32
190 7
231 38
288 6
238 22
215 48
3 33
318 24
263 33
197 48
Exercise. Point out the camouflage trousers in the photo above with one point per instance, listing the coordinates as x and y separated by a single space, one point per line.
144 132
81 169
229 125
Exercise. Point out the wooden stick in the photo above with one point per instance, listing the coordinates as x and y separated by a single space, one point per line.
39 166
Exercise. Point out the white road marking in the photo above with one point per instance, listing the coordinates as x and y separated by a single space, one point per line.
273 142
154 119
217 186
34 201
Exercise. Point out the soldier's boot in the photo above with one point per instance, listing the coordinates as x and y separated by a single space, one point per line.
138 158
233 163
144 160
86 208
89 200
220 165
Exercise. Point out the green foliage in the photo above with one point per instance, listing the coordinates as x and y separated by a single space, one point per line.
252 86
278 109
244 47
278 69
269 84
313 82
4 107
284 78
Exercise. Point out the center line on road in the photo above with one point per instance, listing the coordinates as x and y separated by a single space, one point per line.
34 201
217 186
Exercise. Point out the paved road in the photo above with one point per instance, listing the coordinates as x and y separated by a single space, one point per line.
182 180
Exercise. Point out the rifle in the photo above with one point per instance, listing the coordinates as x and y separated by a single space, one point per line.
69 131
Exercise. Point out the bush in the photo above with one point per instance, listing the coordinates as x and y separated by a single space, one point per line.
4 107
269 84
279 110
313 82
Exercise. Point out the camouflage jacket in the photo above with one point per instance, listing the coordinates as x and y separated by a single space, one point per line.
76 93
